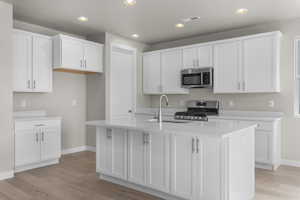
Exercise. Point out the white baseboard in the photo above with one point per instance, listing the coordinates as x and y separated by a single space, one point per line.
291 163
91 148
78 149
6 175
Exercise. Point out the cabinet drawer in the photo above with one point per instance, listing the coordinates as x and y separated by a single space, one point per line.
20 125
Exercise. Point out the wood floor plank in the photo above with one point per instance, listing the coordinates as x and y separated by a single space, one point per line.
75 179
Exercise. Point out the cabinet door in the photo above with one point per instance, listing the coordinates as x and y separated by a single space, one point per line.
72 54
227 70
151 73
50 137
260 63
27 146
136 157
22 61
157 161
93 55
119 153
263 146
104 151
171 72
205 56
182 166
42 64
190 57
112 144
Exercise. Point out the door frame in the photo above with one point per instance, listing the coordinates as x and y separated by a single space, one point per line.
108 72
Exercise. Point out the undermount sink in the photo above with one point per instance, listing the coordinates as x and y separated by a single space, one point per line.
169 121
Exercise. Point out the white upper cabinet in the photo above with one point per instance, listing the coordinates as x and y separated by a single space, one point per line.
32 61
227 70
93 56
198 56
42 64
190 56
248 64
171 66
261 63
205 56
151 73
73 54
162 72
22 61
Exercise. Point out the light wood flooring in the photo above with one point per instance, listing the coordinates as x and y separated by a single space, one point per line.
75 179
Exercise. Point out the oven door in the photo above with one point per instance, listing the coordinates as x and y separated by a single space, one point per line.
191 80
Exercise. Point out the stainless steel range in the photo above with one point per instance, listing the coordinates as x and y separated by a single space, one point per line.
198 110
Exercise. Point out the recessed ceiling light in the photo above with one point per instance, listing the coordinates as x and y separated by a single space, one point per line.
135 35
129 2
83 19
180 25
241 11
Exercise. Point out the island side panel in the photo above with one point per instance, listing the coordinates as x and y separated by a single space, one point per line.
238 160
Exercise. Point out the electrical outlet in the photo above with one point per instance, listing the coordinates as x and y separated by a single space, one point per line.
231 103
182 103
23 103
271 103
74 102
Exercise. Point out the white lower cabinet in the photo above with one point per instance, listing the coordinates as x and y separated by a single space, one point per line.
148 160
136 157
112 150
182 166
27 146
157 161
37 143
178 166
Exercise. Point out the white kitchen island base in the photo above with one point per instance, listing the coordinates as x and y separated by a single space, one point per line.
196 161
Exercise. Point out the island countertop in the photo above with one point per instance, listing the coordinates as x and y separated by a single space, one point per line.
212 128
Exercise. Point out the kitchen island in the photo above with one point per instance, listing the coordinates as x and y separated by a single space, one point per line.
178 160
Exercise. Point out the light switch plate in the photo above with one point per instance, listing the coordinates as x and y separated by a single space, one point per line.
74 102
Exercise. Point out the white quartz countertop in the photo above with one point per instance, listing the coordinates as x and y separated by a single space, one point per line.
212 128
35 115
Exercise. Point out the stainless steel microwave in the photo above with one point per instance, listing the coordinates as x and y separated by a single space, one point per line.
197 78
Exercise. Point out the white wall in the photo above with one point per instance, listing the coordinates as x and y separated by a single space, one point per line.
66 88
284 101
6 95
95 97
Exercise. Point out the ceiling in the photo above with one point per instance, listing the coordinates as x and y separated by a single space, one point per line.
153 20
